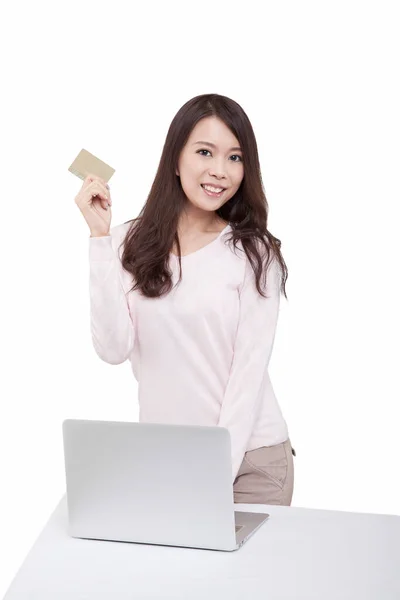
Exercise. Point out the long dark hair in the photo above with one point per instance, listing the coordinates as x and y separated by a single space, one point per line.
149 239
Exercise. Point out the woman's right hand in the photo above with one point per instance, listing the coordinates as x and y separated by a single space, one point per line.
94 202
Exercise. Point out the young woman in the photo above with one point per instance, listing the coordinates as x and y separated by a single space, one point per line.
177 292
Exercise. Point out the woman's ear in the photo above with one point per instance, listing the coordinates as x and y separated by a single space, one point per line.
176 171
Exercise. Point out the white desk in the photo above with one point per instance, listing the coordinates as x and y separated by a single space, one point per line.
297 553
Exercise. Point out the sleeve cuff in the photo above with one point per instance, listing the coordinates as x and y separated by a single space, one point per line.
100 248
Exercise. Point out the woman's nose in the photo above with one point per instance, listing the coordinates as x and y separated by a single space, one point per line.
217 171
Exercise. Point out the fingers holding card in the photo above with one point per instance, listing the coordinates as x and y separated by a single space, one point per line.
93 199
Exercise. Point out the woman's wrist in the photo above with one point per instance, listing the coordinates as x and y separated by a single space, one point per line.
94 234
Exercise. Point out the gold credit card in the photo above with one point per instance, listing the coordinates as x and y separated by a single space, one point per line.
86 163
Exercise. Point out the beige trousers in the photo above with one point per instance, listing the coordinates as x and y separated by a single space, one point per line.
266 476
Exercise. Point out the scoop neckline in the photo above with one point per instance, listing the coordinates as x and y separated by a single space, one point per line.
203 247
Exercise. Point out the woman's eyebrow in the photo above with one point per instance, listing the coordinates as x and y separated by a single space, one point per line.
214 146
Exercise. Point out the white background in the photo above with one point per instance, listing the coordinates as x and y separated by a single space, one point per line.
320 84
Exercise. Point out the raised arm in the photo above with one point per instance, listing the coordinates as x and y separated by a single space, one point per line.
112 329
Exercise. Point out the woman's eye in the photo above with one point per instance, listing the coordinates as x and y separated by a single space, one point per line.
237 155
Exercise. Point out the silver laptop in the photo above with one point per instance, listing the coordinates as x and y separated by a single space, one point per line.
153 483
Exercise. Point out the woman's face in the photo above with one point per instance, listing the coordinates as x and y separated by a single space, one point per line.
210 156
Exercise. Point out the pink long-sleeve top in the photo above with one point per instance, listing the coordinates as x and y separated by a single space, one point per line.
200 354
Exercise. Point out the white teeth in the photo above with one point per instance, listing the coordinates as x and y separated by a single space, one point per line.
212 189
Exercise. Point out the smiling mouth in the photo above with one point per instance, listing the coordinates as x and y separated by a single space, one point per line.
213 194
